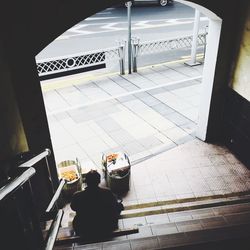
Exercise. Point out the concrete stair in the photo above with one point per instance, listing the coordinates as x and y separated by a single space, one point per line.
168 206
207 223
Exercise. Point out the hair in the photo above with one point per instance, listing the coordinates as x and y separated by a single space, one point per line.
93 178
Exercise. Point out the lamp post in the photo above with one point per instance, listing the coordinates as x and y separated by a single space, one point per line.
128 5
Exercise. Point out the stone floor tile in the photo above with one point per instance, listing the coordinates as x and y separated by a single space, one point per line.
94 246
124 245
144 231
149 142
180 216
177 118
163 109
144 244
209 171
216 183
239 208
213 222
161 229
192 225
239 218
172 240
134 222
157 219
202 213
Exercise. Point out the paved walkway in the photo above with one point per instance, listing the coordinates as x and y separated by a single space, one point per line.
151 115
143 114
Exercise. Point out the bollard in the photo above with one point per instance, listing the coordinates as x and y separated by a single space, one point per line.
121 52
135 50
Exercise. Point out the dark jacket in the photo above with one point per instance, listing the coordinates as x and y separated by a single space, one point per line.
97 212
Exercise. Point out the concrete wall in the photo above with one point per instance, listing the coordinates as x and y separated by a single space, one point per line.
241 77
13 139
236 118
29 26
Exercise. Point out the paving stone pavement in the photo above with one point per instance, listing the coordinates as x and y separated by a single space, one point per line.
141 114
154 124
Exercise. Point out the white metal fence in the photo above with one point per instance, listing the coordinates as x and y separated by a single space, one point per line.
92 58
158 46
80 60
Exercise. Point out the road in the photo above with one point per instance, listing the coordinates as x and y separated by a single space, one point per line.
105 28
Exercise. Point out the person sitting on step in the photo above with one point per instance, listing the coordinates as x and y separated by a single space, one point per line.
97 209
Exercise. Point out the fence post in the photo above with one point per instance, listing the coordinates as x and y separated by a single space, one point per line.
121 52
205 42
135 50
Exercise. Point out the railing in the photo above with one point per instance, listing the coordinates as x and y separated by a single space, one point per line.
53 231
157 46
23 177
16 183
56 196
81 60
19 181
36 159
93 58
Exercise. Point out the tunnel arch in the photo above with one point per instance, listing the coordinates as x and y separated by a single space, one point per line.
72 16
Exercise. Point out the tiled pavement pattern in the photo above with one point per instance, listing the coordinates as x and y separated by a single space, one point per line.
142 124
145 125
194 172
149 125
194 169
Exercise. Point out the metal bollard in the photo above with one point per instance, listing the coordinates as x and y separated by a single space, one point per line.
135 50
121 52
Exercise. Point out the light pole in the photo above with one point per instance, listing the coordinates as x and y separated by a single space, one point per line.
128 5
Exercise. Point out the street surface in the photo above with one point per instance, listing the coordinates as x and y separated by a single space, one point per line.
105 28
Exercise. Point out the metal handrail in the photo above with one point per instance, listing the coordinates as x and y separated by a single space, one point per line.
25 176
53 231
36 159
16 183
56 196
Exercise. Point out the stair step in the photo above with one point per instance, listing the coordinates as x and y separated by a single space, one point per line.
229 237
180 205
201 230
67 235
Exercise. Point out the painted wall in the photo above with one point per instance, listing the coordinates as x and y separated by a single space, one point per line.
12 136
241 79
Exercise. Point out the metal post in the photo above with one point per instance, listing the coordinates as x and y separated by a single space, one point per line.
135 48
193 61
129 4
121 52
205 45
